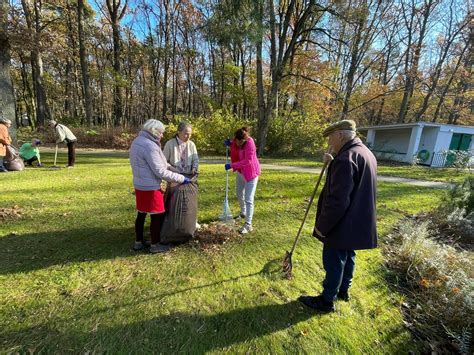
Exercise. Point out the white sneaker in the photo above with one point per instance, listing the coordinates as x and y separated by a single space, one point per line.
246 228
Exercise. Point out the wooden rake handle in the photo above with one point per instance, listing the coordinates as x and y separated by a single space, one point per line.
309 206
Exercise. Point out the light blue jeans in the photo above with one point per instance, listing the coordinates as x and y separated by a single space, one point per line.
245 194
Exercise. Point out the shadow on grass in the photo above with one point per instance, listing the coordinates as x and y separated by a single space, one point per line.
33 251
176 332
272 269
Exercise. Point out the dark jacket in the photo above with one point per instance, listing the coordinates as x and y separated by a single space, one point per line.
346 213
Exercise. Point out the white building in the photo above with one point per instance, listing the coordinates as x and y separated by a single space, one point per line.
426 141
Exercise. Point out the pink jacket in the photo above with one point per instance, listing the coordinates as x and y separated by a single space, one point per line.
248 164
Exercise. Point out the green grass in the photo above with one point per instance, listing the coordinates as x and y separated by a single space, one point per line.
70 283
424 173
418 172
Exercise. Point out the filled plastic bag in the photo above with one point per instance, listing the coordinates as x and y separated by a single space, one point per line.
12 160
180 218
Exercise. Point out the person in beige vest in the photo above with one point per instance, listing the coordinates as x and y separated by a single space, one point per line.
180 151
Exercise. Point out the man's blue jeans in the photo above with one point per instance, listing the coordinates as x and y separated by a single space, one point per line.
339 266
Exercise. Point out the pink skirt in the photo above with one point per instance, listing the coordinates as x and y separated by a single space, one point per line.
150 201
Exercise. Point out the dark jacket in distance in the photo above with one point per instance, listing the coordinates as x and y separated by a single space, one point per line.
346 213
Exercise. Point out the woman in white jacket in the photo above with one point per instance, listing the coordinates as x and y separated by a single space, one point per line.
180 151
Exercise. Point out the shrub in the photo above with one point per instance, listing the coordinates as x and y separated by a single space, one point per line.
210 131
440 283
456 213
97 137
459 159
295 133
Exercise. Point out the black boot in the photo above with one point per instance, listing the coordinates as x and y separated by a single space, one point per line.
318 303
343 295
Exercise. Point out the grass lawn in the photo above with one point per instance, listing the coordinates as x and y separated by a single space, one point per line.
388 169
70 282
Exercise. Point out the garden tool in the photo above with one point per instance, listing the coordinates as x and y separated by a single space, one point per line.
226 214
287 262
55 159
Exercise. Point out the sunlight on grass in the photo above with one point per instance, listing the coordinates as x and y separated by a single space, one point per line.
70 281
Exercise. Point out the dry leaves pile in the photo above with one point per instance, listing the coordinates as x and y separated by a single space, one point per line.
212 236
10 213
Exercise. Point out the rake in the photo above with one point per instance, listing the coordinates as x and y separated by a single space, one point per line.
226 214
288 262
54 167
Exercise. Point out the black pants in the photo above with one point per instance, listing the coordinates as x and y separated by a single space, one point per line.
31 160
71 153
155 227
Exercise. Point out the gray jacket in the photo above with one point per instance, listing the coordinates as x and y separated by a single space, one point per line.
149 165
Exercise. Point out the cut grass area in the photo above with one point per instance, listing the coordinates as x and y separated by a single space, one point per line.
385 168
71 283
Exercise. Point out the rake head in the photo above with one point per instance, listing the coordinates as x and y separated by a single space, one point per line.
288 265
226 214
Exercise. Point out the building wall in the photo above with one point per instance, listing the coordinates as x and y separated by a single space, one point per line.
392 141
403 143
428 138
443 140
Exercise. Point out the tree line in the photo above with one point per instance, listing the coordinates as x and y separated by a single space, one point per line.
117 63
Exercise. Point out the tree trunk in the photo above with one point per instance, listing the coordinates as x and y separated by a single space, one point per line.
116 14
412 73
42 110
27 92
7 98
84 63
353 66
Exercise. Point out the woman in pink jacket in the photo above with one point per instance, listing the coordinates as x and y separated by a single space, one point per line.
248 170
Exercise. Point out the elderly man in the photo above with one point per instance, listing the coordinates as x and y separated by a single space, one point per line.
5 140
346 216
64 135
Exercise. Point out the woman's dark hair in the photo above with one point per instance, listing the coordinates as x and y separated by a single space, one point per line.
241 133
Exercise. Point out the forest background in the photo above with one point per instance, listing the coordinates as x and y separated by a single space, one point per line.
286 68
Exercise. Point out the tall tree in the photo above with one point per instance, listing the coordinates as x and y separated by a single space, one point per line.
414 22
7 99
116 12
33 19
84 62
288 32
453 30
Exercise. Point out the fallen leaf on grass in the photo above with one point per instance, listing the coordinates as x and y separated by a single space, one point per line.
14 212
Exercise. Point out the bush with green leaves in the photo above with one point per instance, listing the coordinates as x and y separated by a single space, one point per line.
439 281
210 131
296 133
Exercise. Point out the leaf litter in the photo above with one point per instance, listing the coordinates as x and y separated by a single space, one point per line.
212 236
14 212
